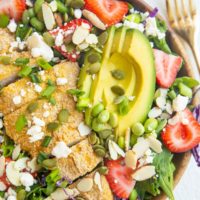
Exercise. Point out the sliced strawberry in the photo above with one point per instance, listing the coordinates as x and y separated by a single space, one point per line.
13 8
109 11
182 137
119 178
67 30
167 67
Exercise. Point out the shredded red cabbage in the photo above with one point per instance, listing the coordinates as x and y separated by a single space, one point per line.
59 182
196 150
153 13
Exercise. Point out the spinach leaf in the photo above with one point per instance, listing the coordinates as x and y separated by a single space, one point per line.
165 169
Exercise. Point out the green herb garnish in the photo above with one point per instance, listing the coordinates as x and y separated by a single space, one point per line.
76 92
21 123
46 141
48 91
21 61
43 64
25 71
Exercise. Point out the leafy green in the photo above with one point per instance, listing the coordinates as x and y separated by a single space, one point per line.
165 169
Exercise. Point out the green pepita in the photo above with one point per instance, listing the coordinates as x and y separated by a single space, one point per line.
48 38
77 4
96 126
103 116
97 146
118 74
150 124
94 68
103 38
118 90
21 195
100 152
92 138
138 129
103 170
101 141
63 116
52 126
50 164
97 109
113 121
94 57
105 133
32 107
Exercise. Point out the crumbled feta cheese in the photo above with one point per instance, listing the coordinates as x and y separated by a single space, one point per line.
29 3
151 28
91 39
11 197
22 92
85 25
180 103
61 150
46 114
11 192
17 100
36 137
1 123
155 112
53 6
12 26
61 81
77 13
84 129
37 88
134 25
26 180
38 47
59 39
34 129
38 122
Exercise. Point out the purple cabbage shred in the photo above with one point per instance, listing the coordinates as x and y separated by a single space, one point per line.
196 150
153 13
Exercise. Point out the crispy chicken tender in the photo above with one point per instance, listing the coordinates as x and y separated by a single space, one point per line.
66 70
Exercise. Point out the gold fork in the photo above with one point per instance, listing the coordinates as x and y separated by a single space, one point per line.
182 15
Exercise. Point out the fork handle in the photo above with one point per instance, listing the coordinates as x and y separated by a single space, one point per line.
196 55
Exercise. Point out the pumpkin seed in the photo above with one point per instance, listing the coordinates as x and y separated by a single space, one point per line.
94 57
96 126
50 164
113 121
103 38
94 68
77 3
118 74
117 90
103 116
32 107
103 170
97 146
52 126
101 141
92 138
21 195
63 116
98 141
48 38
97 109
105 133
100 152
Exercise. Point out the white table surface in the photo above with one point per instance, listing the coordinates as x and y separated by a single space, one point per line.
189 186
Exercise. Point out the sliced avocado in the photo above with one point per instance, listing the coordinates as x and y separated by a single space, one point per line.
127 50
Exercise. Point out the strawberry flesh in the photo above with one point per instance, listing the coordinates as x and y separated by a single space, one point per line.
119 178
167 67
109 11
182 137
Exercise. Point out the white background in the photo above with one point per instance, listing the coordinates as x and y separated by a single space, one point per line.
189 186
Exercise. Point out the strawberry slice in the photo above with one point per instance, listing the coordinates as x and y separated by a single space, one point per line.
119 178
13 8
67 31
109 11
167 67
182 137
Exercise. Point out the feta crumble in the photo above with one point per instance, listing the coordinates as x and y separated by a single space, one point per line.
91 39
180 103
61 150
61 81
12 26
59 39
77 13
26 180
17 100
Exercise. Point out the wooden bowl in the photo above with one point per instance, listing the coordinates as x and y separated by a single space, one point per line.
181 161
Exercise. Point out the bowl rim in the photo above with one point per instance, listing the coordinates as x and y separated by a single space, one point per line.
182 160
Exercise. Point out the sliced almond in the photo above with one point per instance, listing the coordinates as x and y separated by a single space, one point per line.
127 139
130 159
2 165
94 19
118 149
48 16
21 163
2 187
16 152
97 181
32 165
13 174
144 173
85 185
155 144
141 147
79 35
64 193
112 151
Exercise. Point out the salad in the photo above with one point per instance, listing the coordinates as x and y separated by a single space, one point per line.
92 104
